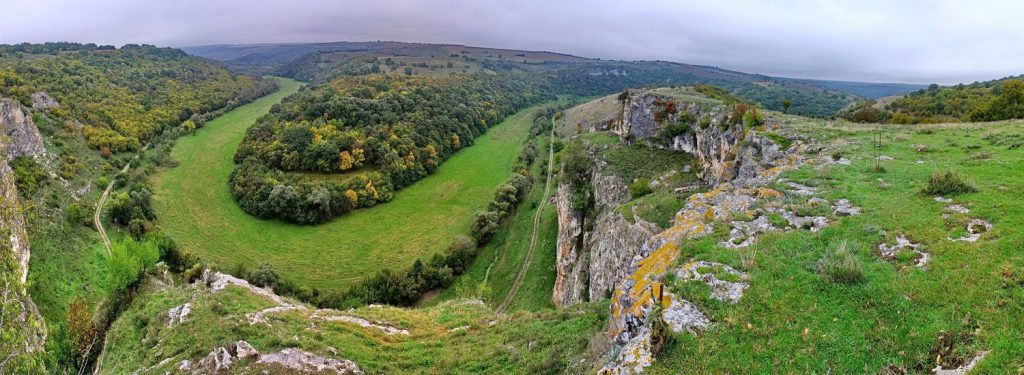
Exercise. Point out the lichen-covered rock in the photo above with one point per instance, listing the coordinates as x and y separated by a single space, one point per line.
24 331
176 315
709 273
590 263
42 100
570 275
17 131
975 228
962 370
745 233
903 243
843 207
683 316
218 360
245 350
307 363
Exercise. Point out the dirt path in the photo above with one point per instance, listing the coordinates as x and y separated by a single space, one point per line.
533 233
99 208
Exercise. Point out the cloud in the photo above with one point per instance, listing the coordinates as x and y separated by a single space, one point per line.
942 41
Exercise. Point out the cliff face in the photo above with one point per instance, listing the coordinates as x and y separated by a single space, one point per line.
18 132
590 262
21 327
727 151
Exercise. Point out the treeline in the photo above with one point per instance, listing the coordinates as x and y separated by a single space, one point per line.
386 132
123 97
405 287
981 101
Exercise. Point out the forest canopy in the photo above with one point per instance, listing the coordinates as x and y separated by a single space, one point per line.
122 97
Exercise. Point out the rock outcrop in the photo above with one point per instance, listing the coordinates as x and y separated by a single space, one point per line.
18 132
590 262
42 100
592 257
727 150
23 328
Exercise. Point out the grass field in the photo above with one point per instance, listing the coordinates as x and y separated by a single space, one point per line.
499 261
195 208
969 299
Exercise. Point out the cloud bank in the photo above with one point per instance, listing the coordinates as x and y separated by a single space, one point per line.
914 41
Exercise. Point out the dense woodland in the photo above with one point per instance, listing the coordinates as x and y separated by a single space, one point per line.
380 132
982 101
122 98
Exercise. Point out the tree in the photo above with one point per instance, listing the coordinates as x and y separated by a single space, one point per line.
785 105
80 328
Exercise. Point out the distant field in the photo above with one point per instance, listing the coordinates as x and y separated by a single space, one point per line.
195 208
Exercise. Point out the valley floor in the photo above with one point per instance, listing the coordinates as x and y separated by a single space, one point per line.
195 207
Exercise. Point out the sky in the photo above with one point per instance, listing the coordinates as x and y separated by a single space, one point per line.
911 41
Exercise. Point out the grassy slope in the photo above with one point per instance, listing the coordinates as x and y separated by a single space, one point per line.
458 337
196 209
799 322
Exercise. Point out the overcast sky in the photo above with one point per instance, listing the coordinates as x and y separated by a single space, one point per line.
867 40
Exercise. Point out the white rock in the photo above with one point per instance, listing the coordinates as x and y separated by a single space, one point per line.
306 362
244 350
843 207
962 370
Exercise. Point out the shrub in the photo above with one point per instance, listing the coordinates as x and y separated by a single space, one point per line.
28 174
265 276
639 188
484 226
947 183
840 265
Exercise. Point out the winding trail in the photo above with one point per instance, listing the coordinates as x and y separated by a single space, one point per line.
99 208
533 233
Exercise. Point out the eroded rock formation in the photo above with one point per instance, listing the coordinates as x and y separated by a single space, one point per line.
18 132
23 328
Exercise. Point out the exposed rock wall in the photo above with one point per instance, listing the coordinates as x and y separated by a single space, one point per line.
727 152
22 328
593 257
13 223
590 262
18 132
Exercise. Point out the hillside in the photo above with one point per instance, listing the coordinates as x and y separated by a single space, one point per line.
995 100
579 76
76 115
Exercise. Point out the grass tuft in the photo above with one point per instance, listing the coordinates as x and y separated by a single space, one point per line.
840 265
947 183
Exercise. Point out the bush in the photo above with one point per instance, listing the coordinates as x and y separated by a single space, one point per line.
639 188
947 183
485 225
265 276
840 265
28 175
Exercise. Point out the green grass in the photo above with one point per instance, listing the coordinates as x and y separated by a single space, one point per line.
194 207
456 337
499 262
801 322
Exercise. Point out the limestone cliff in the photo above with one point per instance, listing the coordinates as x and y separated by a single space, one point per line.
593 257
22 331
18 132
727 149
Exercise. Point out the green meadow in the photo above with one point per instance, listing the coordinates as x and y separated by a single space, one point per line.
195 207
